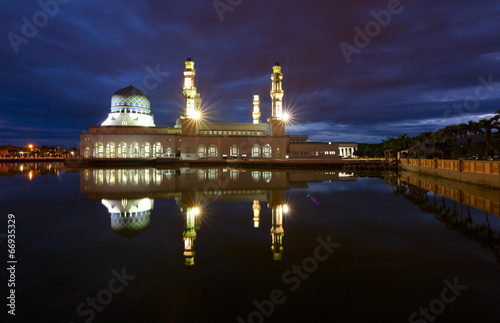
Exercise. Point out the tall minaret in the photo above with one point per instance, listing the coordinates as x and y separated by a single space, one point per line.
192 100
276 122
277 92
256 109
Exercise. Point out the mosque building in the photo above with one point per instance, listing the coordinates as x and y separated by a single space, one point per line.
130 131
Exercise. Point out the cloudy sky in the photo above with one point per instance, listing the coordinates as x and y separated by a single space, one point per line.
353 70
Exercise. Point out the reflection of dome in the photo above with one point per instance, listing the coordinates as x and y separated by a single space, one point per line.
130 226
130 96
129 217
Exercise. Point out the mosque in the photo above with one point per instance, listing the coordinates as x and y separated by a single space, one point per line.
130 131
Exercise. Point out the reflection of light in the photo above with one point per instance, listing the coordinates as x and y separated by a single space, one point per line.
285 208
196 211
196 115
30 175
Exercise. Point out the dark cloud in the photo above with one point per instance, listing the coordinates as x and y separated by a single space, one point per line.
406 80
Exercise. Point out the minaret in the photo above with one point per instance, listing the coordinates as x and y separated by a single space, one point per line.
256 213
256 109
192 100
277 92
276 122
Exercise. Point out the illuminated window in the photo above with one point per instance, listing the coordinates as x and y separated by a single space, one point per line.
110 150
255 176
256 150
202 151
99 150
266 151
234 150
213 151
157 149
122 150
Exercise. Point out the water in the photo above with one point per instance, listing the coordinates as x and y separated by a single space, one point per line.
325 247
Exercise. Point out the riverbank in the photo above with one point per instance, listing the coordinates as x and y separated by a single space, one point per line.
479 172
177 162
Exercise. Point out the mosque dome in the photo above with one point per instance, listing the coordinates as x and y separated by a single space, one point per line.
130 97
130 107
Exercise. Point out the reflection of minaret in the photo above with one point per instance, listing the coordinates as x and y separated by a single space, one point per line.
256 109
189 234
256 213
278 206
191 213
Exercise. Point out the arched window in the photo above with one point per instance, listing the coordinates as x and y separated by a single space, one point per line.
157 149
146 150
213 151
110 150
135 150
256 150
122 150
266 151
202 151
234 151
98 150
86 152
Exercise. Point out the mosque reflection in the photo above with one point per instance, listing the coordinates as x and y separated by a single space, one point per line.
129 196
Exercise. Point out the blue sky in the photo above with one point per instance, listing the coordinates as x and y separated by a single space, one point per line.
433 63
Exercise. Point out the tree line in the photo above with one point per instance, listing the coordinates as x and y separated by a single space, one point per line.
475 139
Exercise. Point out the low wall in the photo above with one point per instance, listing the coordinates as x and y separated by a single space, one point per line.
480 172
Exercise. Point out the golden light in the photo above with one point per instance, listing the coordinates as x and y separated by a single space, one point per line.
196 115
196 211
285 208
30 146
285 116
30 175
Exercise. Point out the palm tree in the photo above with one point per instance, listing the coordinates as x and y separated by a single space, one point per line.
468 132
488 125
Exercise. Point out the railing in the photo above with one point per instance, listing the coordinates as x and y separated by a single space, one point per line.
466 166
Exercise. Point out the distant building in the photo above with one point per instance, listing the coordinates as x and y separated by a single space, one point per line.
130 131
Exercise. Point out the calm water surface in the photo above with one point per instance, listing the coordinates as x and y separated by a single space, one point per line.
223 245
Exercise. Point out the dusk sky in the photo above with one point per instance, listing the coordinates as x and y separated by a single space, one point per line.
422 66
